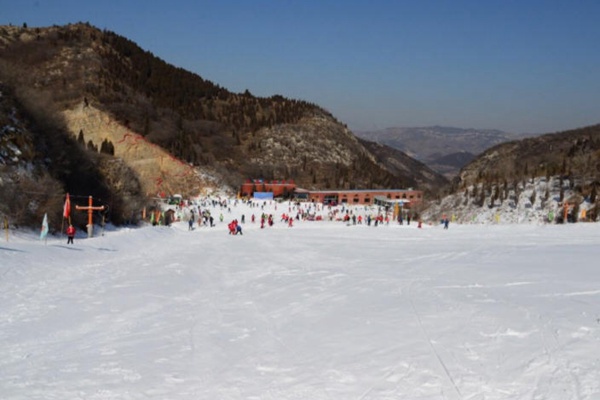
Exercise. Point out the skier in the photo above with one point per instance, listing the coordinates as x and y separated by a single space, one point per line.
70 234
232 227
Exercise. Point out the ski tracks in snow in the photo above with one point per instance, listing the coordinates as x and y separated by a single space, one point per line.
427 337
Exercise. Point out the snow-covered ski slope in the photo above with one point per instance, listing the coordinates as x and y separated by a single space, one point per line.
321 310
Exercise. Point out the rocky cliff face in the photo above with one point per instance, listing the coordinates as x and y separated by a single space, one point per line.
529 179
157 170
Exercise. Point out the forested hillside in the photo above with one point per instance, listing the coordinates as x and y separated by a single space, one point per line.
173 130
194 119
541 176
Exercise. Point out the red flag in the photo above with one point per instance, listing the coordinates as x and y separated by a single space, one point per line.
67 208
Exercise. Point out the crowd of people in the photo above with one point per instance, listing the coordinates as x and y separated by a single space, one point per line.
200 213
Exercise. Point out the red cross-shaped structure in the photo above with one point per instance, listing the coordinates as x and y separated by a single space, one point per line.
90 209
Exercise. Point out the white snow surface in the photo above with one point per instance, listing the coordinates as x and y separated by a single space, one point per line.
321 310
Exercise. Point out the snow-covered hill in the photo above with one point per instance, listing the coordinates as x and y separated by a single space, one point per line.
535 201
321 310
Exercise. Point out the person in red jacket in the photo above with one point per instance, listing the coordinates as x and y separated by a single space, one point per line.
70 234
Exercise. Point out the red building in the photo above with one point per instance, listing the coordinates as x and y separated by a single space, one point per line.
287 188
368 196
282 188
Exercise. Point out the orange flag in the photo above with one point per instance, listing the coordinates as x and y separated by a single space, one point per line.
67 207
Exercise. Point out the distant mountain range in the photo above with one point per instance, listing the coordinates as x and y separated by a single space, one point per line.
444 149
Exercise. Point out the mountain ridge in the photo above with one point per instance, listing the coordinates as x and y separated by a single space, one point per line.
104 90
549 178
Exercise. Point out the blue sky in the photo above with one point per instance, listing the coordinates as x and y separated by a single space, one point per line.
518 66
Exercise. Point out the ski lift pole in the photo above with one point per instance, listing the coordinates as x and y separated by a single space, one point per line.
90 209
6 226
